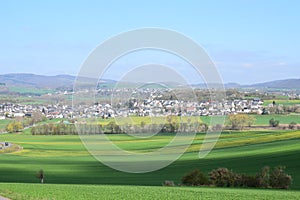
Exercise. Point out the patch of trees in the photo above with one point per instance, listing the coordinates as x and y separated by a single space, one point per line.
14 126
223 177
21 122
239 121
284 109
171 126
273 122
54 129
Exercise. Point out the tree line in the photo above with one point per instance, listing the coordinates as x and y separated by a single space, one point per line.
21 122
222 177
113 128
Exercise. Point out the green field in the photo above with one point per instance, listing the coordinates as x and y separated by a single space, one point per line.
29 90
264 119
50 191
3 124
285 102
65 160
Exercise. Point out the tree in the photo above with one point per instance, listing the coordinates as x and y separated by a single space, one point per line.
10 127
14 127
18 126
143 124
222 177
273 122
37 116
172 124
263 177
239 121
251 120
40 175
292 125
195 178
280 179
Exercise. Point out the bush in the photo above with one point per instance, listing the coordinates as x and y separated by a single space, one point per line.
195 178
223 177
14 127
279 179
292 125
168 183
247 181
273 122
263 178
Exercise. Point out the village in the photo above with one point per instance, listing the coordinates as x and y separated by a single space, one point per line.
148 106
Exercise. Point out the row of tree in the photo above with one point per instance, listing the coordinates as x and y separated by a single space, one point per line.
113 128
240 121
20 123
223 177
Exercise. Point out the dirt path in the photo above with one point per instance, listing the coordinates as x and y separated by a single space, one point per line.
3 198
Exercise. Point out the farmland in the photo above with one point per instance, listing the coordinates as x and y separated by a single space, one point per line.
264 119
285 102
65 160
3 124
62 191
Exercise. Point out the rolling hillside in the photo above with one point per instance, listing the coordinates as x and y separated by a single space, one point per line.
66 81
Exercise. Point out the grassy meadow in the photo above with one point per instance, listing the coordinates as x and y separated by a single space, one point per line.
263 120
65 160
62 191
29 90
285 102
3 124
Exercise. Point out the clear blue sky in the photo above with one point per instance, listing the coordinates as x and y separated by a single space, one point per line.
250 41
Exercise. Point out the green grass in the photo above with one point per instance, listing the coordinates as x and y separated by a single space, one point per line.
29 90
137 120
263 119
283 119
285 102
3 124
65 160
50 191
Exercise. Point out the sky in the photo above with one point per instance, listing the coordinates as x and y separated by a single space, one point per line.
249 41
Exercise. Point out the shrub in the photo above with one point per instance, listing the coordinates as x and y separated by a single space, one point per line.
273 122
195 178
40 175
263 178
223 177
292 125
168 183
279 179
247 181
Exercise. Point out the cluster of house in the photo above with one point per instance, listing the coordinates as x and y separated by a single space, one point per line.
181 108
146 107
11 110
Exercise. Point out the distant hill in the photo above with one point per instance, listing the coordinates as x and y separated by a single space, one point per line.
226 85
66 82
278 84
42 81
37 81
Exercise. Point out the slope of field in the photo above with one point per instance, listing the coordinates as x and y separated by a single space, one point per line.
263 120
65 160
3 124
50 191
285 102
